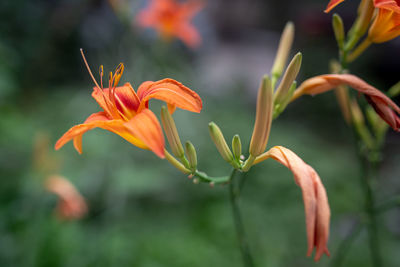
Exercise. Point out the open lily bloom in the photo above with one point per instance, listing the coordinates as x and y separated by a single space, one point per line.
71 204
382 104
386 25
172 19
126 112
314 196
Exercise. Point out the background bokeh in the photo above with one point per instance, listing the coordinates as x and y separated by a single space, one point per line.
143 212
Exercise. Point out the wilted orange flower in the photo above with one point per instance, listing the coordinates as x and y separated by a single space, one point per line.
127 114
172 19
386 25
382 104
71 204
314 196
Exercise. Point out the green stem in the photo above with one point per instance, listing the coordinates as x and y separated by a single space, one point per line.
234 194
344 246
369 170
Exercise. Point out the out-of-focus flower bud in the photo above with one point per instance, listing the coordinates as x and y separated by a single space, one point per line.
365 12
263 120
338 29
285 44
279 108
220 143
288 78
236 147
171 132
359 124
71 204
394 90
191 154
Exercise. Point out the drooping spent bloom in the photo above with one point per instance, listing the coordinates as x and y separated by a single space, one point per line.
386 25
316 206
172 19
71 204
126 112
382 104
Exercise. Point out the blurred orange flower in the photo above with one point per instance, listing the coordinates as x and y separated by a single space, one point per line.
382 104
71 204
127 114
314 197
172 19
386 25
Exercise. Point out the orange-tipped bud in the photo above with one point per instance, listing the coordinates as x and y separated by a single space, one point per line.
171 132
263 120
285 44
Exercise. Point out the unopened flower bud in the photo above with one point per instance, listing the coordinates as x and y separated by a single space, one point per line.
172 133
285 44
220 142
236 147
338 29
359 124
280 107
191 155
263 120
288 78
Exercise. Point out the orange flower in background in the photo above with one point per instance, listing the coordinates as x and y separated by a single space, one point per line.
382 104
172 19
316 204
332 4
386 25
127 114
71 204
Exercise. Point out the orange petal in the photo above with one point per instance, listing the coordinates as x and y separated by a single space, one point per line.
323 83
332 4
189 35
314 196
99 120
170 91
146 127
388 4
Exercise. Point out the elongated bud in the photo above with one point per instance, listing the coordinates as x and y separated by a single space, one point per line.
338 29
288 78
219 141
236 147
280 107
263 120
171 132
285 44
191 154
394 90
365 12
359 124
378 125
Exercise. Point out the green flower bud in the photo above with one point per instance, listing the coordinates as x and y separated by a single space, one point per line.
219 141
172 133
191 154
236 147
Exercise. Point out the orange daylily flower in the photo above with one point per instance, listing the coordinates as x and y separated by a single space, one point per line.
382 104
71 204
126 112
172 19
316 204
386 25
